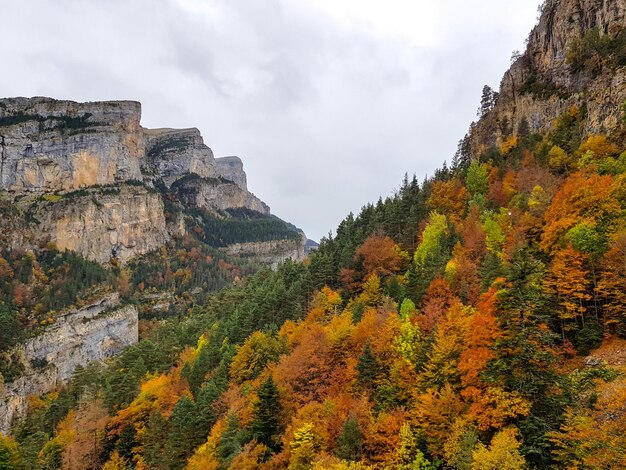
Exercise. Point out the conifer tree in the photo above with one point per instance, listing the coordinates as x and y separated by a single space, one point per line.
367 367
350 441
230 443
265 426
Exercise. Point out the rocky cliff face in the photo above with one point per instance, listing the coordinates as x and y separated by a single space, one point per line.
217 194
50 145
93 333
83 176
272 252
543 84
100 223
122 222
172 153
231 168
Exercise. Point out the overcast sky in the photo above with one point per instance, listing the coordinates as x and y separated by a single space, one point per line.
328 102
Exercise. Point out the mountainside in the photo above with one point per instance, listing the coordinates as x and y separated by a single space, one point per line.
575 58
474 321
92 333
88 178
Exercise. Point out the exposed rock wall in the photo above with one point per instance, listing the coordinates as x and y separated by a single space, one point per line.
272 252
92 333
171 153
51 145
218 194
99 223
231 168
541 85
84 176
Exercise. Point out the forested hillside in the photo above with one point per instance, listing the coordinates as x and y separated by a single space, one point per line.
473 320
444 326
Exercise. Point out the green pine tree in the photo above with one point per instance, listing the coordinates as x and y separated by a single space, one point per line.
265 426
367 367
230 443
350 441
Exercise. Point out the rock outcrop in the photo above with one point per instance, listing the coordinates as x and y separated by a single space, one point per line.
231 168
89 178
51 145
172 153
271 252
92 333
217 194
543 84
119 222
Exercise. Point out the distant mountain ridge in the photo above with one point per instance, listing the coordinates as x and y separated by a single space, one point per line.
88 178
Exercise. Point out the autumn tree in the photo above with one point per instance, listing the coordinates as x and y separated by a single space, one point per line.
380 255
612 285
431 255
502 454
567 281
304 447
253 355
584 197
448 198
408 455
477 182
9 454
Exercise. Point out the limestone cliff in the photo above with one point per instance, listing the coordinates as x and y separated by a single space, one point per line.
51 145
171 153
231 168
543 82
92 333
217 194
119 221
271 252
89 178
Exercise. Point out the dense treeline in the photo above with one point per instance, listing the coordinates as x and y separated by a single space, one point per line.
263 302
239 227
36 284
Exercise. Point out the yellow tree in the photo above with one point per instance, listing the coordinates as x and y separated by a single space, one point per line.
503 453
612 284
568 281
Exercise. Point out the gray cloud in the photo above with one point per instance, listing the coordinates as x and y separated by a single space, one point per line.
327 110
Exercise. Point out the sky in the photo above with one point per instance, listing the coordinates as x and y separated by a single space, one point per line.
327 102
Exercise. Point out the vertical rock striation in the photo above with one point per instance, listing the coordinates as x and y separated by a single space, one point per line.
542 84
51 145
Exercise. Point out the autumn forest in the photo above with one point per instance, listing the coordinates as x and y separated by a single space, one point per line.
474 320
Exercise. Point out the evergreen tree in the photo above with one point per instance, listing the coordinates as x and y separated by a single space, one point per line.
265 426
350 441
487 100
367 367
230 443
183 433
153 441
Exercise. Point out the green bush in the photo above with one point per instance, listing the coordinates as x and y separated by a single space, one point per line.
593 50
